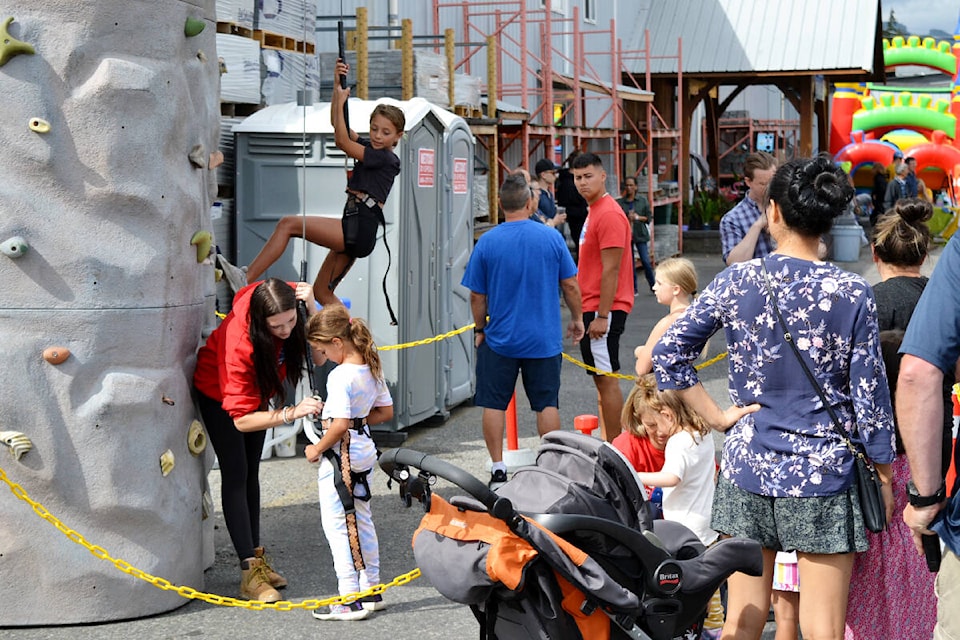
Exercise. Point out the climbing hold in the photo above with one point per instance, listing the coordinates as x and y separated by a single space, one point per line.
222 64
166 462
203 240
166 400
39 125
196 438
14 247
217 275
56 355
197 156
201 56
216 159
193 27
10 46
19 443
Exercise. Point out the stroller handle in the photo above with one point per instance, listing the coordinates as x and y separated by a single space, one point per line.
409 457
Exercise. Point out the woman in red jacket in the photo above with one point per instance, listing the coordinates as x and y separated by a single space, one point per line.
241 368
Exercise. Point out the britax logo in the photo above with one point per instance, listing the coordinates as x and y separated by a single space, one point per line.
669 578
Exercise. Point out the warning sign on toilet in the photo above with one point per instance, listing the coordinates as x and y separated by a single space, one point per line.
426 167
460 175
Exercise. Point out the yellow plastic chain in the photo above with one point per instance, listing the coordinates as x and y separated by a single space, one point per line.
190 592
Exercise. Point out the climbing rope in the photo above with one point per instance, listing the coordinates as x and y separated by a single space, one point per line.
189 592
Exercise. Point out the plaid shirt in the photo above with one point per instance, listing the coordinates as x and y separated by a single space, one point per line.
737 222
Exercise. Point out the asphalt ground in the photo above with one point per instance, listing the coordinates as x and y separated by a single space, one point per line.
290 520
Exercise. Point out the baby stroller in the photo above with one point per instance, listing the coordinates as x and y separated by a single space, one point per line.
565 549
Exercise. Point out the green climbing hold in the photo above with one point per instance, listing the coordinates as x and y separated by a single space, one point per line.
193 27
14 247
10 46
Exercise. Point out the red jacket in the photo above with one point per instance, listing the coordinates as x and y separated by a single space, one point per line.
225 363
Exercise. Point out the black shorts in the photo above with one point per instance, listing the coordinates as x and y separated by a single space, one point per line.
360 224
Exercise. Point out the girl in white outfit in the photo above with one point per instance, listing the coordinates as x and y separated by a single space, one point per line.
688 473
356 397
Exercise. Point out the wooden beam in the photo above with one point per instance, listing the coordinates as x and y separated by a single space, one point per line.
806 116
722 107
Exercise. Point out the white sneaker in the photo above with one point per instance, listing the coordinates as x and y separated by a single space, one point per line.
373 603
344 612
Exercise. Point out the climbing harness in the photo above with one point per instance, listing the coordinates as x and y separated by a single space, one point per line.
351 486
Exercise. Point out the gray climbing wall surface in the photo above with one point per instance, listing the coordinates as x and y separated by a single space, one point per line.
108 117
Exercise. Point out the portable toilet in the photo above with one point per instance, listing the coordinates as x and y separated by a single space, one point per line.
288 164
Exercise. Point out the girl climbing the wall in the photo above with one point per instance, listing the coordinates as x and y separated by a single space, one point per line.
241 368
368 185
357 396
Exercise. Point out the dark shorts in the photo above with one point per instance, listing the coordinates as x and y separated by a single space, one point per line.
828 524
603 353
360 224
497 379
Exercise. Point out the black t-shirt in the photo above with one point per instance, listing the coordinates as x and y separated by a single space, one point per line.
896 299
374 175
568 196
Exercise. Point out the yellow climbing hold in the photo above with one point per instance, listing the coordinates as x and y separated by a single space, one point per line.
193 27
203 240
39 125
166 462
196 438
10 46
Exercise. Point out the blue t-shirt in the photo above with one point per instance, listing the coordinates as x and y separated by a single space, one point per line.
518 266
789 448
934 330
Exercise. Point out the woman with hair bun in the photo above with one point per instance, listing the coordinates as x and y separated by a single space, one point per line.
786 475
886 605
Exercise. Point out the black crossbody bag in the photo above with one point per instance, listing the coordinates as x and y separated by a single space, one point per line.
868 481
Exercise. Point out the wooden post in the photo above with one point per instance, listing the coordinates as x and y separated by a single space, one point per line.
406 59
494 176
448 48
363 60
806 116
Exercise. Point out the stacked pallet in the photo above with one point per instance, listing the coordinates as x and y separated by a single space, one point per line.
267 56
384 70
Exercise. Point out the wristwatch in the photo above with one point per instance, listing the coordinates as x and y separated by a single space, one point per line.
479 329
917 500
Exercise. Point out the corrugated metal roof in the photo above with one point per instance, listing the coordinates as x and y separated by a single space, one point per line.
731 36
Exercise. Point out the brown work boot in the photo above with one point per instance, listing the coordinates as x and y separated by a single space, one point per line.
254 582
277 581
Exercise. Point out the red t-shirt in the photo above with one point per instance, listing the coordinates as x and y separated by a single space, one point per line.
640 452
606 227
225 363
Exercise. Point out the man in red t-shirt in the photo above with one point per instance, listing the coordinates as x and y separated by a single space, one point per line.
606 284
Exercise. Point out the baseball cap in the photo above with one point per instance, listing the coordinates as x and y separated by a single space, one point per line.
898 154
543 165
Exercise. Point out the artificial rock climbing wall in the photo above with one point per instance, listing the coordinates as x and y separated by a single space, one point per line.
108 117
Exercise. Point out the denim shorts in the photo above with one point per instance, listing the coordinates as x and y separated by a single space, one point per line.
826 524
497 379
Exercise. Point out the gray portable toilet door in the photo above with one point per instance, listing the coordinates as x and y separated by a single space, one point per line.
458 353
418 308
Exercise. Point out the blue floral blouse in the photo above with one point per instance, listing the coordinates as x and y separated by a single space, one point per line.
789 447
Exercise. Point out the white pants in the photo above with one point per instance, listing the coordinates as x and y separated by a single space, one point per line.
334 521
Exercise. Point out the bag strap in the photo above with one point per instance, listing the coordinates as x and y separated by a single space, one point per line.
788 337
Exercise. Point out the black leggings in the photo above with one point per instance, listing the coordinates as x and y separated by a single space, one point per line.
238 454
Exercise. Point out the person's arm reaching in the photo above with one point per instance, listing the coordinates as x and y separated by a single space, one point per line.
745 249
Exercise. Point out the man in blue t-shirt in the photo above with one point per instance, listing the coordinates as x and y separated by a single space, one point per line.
931 348
512 275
